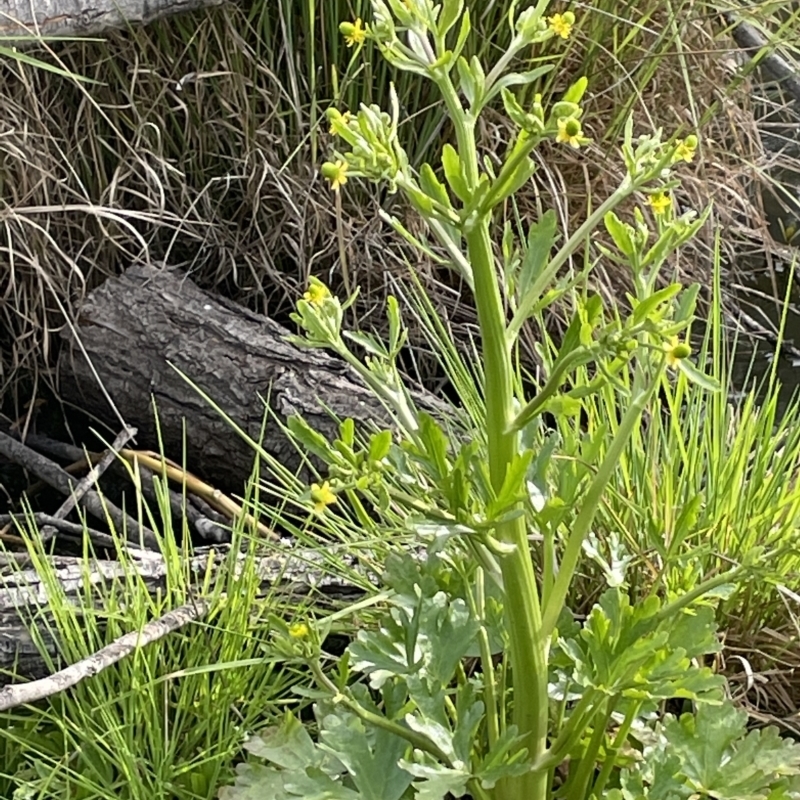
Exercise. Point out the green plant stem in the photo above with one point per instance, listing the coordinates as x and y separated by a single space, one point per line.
641 394
571 733
686 599
477 792
418 740
613 751
576 358
528 647
487 664
524 147
497 71
396 400
578 781
532 295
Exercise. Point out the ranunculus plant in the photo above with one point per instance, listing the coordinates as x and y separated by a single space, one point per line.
478 679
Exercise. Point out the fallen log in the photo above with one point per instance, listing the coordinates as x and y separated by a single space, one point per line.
29 639
21 19
138 333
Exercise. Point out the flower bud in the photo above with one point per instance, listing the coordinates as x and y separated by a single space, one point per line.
564 108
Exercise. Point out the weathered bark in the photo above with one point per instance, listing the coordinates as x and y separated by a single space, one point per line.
29 646
753 42
141 330
26 18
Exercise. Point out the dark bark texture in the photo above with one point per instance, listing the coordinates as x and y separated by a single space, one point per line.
139 333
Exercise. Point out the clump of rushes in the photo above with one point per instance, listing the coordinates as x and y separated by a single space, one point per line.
556 708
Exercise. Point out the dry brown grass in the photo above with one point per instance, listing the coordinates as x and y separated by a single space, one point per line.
193 150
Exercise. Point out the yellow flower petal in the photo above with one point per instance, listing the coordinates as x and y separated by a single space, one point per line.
316 294
676 351
298 630
335 173
570 132
685 150
322 496
355 33
659 202
561 24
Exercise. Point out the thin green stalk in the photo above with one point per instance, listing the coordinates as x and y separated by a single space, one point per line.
489 688
554 603
579 720
523 148
613 751
464 128
554 382
686 599
578 781
546 278
499 68
417 740
396 402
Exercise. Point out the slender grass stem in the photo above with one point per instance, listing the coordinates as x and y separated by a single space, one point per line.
582 771
489 687
642 392
614 750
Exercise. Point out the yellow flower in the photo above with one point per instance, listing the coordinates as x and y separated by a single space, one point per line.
298 630
344 119
685 150
570 132
676 351
317 294
354 32
322 496
335 173
659 202
561 24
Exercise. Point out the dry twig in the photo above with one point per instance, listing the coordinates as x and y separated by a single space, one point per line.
61 480
25 693
86 483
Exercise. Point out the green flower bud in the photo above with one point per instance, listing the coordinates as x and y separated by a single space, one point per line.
564 108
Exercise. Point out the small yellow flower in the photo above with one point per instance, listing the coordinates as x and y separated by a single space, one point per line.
344 119
570 132
561 24
659 202
354 33
685 150
322 496
676 351
335 173
317 294
298 630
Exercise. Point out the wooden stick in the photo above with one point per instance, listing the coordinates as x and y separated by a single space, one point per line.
89 480
59 479
44 520
20 694
151 462
208 528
